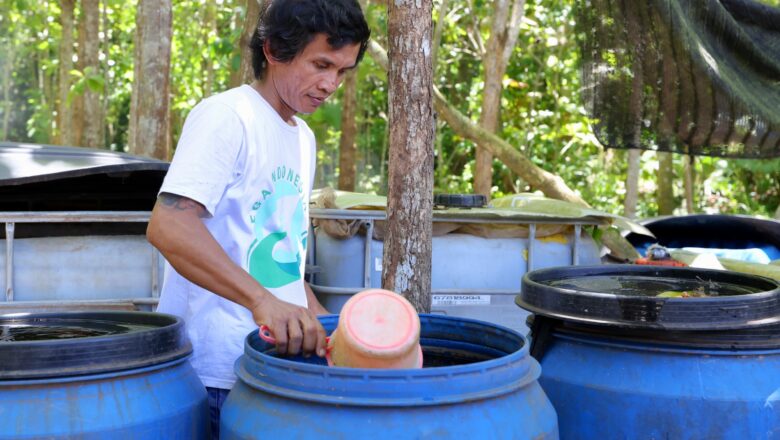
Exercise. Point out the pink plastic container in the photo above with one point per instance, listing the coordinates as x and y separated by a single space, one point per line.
377 329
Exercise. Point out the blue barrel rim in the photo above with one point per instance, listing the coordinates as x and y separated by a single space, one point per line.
589 307
92 377
384 387
165 341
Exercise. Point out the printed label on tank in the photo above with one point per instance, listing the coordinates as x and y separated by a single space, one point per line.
378 264
460 300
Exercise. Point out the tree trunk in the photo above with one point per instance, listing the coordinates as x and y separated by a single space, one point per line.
635 113
93 120
437 31
347 147
106 128
210 31
149 117
245 74
632 183
551 185
690 203
665 177
77 115
507 15
407 251
8 68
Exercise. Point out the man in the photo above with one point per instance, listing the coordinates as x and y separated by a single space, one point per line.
232 215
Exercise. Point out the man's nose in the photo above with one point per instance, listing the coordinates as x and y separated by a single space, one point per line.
330 82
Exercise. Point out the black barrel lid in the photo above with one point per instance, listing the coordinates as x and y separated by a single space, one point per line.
460 200
625 296
44 345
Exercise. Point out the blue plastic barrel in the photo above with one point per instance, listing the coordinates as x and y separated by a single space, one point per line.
124 375
622 360
618 388
478 381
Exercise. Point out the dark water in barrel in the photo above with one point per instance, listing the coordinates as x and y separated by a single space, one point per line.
633 285
19 332
446 357
433 356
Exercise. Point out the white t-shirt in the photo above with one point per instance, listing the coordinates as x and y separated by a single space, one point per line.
254 173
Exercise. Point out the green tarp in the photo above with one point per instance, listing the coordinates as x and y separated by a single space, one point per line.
697 77
520 207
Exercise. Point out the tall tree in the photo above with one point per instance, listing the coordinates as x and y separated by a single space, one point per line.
632 183
407 250
347 147
77 116
93 120
7 69
551 185
245 74
665 179
690 204
209 34
149 116
64 115
504 28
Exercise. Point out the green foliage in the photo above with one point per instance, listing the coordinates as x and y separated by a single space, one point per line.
541 112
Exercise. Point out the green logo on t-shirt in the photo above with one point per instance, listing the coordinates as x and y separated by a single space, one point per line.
274 258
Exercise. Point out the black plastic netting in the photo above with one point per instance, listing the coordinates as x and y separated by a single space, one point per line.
697 77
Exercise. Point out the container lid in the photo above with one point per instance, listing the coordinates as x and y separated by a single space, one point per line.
460 200
627 296
44 345
379 323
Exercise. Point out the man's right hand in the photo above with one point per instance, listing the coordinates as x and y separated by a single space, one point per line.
296 329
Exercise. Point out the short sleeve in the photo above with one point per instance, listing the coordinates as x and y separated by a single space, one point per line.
206 155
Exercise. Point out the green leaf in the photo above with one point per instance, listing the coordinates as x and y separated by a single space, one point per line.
95 83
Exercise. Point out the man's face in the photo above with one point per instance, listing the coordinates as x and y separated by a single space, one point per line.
304 83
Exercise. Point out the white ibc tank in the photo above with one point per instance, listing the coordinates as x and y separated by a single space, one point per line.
86 268
472 277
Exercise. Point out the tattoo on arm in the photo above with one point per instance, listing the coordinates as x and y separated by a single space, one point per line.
180 203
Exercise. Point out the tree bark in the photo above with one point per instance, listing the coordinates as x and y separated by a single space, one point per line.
77 116
437 32
106 127
507 15
210 31
245 73
8 67
150 101
407 250
551 185
632 183
690 203
93 120
347 147
665 178
635 113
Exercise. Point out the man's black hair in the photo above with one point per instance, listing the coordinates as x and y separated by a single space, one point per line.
289 25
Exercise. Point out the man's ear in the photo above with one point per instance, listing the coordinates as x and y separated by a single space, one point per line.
270 59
